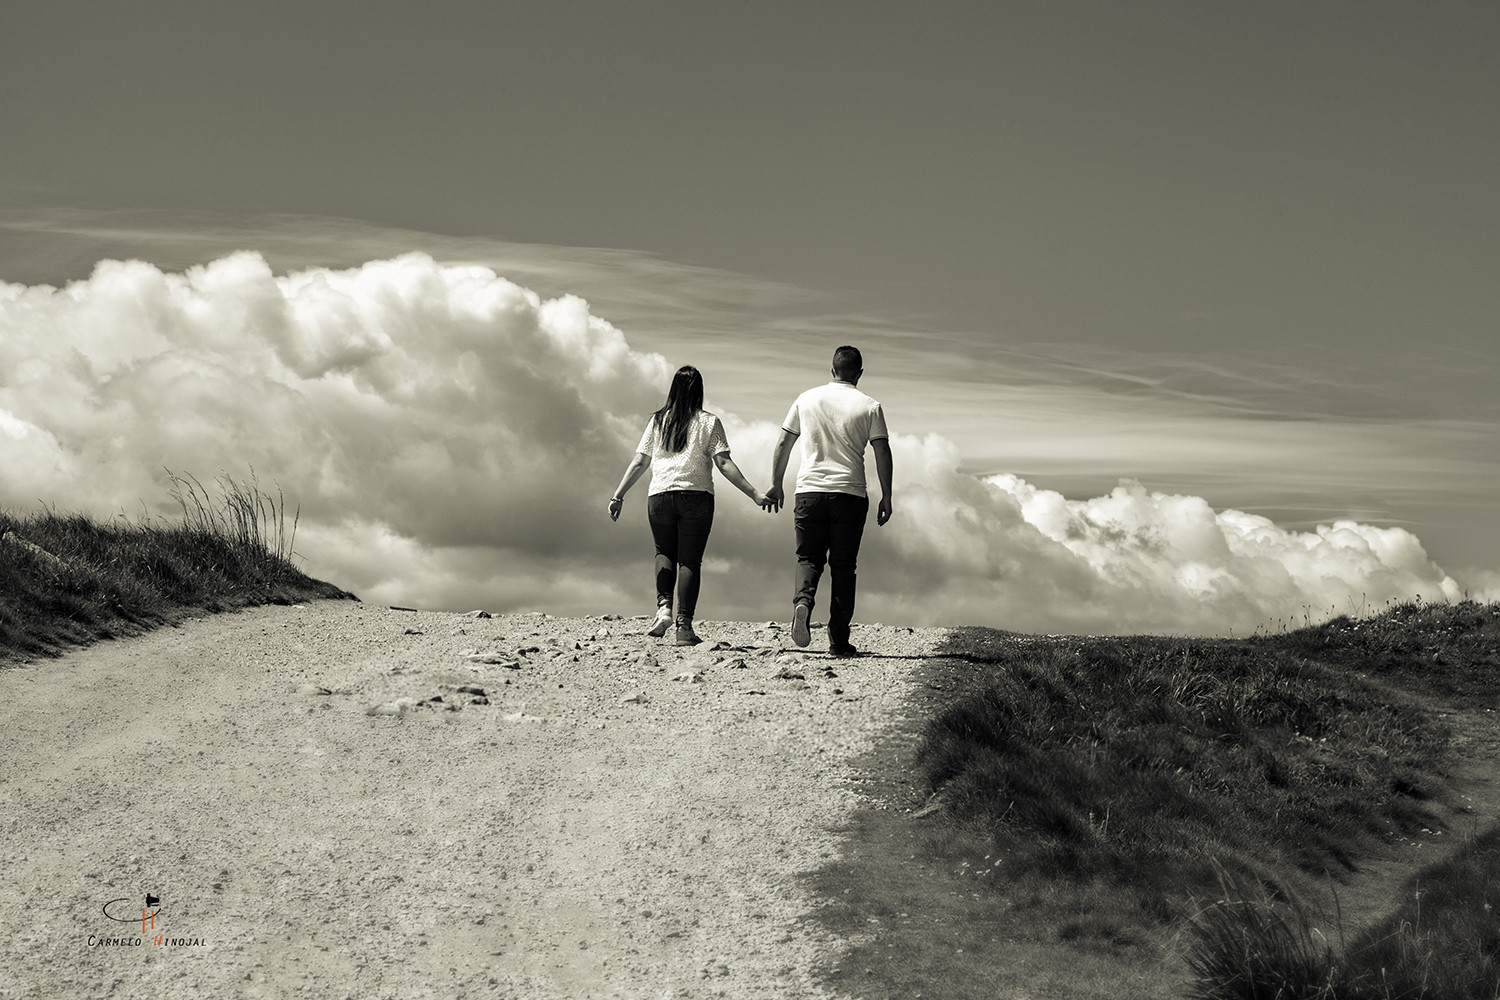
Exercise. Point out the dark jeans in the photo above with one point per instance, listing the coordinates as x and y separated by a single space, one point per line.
680 523
829 528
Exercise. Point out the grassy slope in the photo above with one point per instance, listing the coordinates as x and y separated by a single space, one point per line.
68 580
1104 791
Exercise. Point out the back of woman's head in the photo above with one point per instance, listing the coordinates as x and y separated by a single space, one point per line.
684 400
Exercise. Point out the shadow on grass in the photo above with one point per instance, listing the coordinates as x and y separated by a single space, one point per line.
932 908
1051 812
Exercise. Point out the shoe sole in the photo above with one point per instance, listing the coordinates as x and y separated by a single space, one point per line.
800 634
657 631
687 642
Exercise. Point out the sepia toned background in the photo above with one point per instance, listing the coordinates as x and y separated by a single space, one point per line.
1183 315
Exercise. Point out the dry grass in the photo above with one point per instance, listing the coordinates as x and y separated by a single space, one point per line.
242 513
68 579
1247 945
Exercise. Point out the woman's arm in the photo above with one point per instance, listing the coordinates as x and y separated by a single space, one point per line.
633 471
734 475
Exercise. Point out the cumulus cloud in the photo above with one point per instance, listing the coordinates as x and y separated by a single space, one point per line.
1139 560
452 437
443 406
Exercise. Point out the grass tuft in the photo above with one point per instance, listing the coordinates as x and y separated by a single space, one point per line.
242 513
1248 945
68 580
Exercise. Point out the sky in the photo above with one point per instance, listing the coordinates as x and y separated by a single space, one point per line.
1183 314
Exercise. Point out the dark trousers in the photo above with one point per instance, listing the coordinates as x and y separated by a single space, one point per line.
829 528
680 522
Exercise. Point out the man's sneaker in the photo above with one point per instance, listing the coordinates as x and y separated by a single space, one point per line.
800 614
685 634
842 650
663 622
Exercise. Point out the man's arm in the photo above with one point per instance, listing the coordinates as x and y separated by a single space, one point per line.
883 469
776 495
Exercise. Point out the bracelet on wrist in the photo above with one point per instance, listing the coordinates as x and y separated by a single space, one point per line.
616 499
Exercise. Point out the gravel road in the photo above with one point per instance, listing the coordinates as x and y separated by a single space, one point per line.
611 817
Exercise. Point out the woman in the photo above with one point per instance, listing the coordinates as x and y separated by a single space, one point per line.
682 443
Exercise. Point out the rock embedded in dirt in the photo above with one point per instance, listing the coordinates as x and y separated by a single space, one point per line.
496 659
398 707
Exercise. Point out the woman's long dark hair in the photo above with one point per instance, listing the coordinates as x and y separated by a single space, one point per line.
684 400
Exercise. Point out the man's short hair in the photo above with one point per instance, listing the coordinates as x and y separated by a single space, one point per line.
847 360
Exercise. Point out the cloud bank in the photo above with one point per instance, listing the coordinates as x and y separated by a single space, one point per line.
452 438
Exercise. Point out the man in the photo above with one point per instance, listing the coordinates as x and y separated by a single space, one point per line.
835 422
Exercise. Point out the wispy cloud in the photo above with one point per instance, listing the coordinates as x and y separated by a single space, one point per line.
452 435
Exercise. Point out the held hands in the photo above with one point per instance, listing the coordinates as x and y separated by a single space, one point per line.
615 506
883 514
771 501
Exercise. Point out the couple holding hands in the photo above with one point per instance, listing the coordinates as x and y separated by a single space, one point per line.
682 443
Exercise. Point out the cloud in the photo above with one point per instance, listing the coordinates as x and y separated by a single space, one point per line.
452 437
444 404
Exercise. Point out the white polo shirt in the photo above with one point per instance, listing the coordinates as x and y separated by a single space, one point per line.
835 422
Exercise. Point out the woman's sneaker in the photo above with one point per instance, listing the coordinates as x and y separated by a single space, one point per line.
685 634
663 622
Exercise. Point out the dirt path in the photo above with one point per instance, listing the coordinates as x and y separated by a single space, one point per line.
613 817
1466 806
621 819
